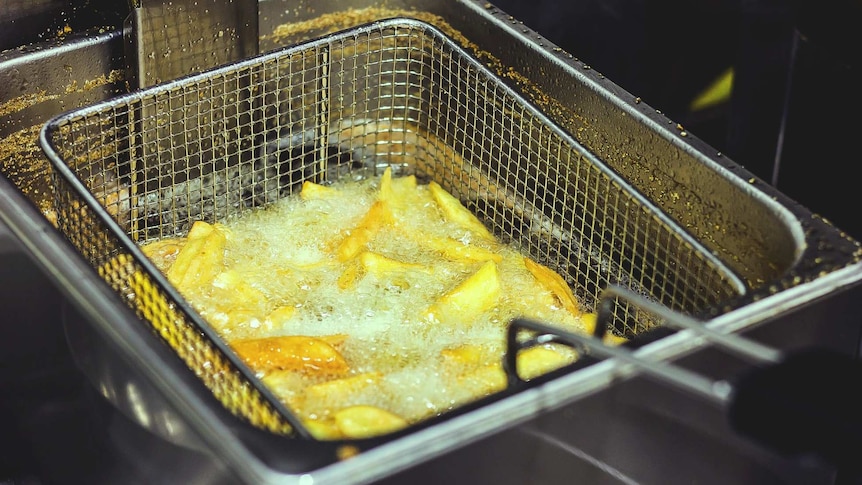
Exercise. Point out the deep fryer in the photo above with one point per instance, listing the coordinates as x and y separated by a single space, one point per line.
209 146
588 135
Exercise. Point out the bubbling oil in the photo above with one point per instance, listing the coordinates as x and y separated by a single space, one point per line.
287 252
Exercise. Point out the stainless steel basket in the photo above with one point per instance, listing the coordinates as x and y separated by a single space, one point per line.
393 93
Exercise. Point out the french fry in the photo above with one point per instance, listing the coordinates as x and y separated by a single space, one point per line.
280 315
378 264
323 429
399 191
473 296
201 259
455 250
466 356
484 380
353 272
307 354
454 211
540 360
322 398
555 283
367 421
163 252
286 384
313 191
376 217
336 340
588 320
239 289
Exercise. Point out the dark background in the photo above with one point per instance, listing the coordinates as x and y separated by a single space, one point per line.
793 116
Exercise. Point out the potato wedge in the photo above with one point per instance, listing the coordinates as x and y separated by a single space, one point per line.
453 210
308 354
473 296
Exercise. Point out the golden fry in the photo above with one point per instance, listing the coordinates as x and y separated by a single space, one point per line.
201 259
321 399
164 252
466 356
353 272
279 315
313 191
399 191
537 361
555 283
378 264
367 421
473 296
456 212
308 354
589 322
374 219
323 429
455 250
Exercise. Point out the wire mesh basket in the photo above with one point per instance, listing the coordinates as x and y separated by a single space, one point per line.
395 93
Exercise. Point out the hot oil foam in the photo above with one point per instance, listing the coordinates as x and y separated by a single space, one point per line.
286 252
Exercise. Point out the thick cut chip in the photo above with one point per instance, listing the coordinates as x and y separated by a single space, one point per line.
555 283
240 290
473 296
483 380
456 212
308 354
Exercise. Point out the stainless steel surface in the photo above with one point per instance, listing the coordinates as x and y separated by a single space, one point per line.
170 39
644 431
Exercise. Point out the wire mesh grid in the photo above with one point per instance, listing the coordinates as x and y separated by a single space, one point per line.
397 94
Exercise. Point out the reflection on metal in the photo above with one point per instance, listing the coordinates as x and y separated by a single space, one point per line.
169 39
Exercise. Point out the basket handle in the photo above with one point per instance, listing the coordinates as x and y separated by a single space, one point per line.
800 403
